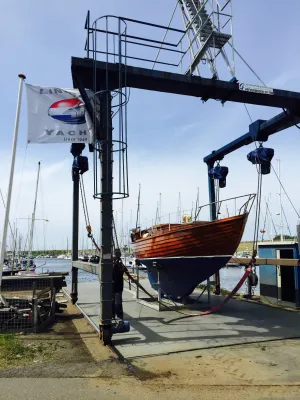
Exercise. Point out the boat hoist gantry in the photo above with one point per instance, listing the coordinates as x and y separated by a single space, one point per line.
119 58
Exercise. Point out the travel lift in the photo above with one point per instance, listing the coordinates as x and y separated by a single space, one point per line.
110 80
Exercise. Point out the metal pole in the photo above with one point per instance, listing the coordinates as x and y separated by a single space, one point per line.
33 217
75 177
11 175
213 216
208 292
53 307
106 266
298 238
138 280
158 290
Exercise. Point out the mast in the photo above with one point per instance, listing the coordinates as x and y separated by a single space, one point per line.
280 202
160 208
11 175
138 219
179 208
33 217
14 245
197 204
157 213
82 243
122 226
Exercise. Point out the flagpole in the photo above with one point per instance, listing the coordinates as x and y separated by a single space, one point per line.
11 175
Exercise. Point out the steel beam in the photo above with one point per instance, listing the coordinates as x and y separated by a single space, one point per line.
259 130
161 81
283 262
87 267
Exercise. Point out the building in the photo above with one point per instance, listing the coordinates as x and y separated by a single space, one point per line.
279 284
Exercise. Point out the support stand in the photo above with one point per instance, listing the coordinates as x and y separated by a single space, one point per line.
249 291
138 280
213 217
208 292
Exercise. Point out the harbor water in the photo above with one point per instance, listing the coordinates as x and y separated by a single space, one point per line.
230 276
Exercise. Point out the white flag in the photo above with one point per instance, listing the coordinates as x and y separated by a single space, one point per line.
56 116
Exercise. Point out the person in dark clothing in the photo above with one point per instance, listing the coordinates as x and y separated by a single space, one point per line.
118 285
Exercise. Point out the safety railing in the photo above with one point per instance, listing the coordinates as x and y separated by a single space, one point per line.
224 209
243 209
165 47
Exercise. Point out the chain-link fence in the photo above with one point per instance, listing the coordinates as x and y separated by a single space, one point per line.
30 302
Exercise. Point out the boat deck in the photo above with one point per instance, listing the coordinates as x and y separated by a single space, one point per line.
165 332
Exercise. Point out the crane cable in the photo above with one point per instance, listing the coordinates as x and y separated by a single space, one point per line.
257 212
86 213
291 203
252 70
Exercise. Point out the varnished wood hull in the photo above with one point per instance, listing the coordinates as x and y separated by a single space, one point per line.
197 239
182 256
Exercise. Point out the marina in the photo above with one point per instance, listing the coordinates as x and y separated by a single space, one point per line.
229 276
153 216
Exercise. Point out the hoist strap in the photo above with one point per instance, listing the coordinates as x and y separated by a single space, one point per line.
86 213
95 244
257 211
212 310
84 203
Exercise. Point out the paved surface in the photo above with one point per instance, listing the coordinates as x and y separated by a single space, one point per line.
88 389
158 333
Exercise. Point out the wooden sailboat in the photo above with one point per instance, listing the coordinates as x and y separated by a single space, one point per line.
184 254
190 239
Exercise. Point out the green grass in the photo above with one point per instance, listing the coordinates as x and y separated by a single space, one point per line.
13 351
245 246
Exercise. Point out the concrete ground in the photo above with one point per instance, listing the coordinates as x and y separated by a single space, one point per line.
79 367
155 333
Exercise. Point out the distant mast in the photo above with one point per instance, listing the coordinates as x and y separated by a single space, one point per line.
11 175
280 202
33 217
138 217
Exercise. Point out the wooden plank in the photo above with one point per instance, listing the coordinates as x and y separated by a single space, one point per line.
92 268
284 262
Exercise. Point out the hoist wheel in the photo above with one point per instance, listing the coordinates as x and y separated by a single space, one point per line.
74 298
105 334
253 279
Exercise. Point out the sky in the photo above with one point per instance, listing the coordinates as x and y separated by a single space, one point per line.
168 135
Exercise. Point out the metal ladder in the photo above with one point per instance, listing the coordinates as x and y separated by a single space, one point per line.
206 35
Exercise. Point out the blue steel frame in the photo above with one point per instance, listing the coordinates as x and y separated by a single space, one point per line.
259 130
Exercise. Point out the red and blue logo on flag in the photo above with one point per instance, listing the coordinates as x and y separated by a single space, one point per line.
69 111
